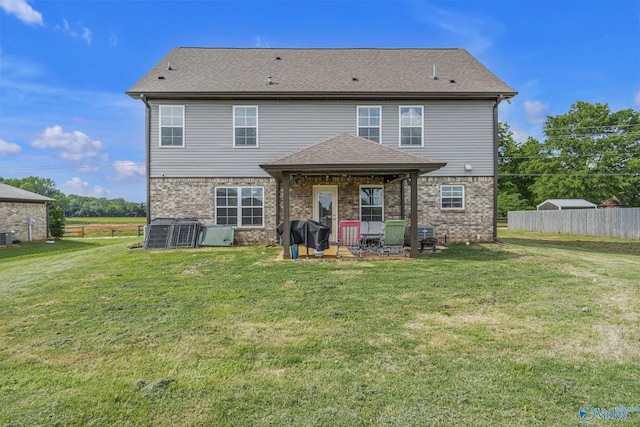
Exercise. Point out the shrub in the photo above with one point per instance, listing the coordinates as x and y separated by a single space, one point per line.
57 222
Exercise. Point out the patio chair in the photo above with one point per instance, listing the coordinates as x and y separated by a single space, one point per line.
392 239
349 238
370 231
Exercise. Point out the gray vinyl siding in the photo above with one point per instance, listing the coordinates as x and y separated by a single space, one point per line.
455 132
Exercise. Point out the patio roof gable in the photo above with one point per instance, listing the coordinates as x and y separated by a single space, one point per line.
350 155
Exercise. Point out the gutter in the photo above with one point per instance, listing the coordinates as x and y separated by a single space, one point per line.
147 154
495 165
377 96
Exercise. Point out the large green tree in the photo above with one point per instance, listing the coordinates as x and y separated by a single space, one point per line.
514 178
74 205
590 153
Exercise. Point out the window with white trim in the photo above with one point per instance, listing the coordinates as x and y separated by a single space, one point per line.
452 197
245 126
370 123
411 126
171 125
240 206
371 203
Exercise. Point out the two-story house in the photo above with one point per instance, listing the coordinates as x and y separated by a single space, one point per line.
255 137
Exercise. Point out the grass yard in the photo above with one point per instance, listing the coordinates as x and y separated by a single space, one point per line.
79 221
523 333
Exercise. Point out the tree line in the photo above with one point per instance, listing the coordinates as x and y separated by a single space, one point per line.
78 206
588 153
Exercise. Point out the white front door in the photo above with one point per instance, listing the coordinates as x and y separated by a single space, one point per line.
325 207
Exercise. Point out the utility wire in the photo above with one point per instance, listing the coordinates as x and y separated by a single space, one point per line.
37 168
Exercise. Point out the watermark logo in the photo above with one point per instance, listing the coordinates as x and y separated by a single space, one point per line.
589 413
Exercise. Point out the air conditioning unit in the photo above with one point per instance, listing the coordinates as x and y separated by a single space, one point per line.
5 238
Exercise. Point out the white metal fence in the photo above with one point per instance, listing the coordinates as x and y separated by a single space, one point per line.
620 223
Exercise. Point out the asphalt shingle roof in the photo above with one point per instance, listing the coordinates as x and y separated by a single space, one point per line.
13 194
218 71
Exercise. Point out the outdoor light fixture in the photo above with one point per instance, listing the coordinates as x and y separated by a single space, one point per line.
468 167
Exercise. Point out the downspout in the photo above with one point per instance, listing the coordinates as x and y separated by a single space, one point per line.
147 154
402 213
495 167
46 207
278 221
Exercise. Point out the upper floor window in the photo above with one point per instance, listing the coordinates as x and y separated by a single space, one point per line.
369 123
240 206
245 126
371 204
411 124
452 197
172 125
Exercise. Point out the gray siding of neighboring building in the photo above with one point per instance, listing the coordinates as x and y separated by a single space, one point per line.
457 132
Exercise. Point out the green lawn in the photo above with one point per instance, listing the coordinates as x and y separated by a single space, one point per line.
79 221
520 333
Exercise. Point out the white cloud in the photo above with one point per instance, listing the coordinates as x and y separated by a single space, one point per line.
82 188
475 33
8 148
261 42
22 10
113 40
76 31
88 169
536 111
637 99
86 35
75 146
520 135
128 170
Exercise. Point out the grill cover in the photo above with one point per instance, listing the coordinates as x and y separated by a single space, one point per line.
312 234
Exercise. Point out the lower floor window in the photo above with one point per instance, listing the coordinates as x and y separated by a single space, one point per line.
240 206
452 197
371 204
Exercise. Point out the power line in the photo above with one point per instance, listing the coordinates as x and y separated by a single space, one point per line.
600 126
37 168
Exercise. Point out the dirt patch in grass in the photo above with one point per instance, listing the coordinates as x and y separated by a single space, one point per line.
602 340
460 331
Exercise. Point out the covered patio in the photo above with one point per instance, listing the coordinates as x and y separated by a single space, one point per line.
346 155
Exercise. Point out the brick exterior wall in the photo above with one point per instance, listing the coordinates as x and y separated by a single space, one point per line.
194 198
473 223
14 216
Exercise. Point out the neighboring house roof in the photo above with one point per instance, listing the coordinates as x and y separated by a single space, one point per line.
612 202
9 193
569 204
350 155
205 72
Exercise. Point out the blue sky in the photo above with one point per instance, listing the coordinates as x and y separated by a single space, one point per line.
65 65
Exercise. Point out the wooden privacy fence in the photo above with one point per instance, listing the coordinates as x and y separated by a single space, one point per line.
620 223
99 230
